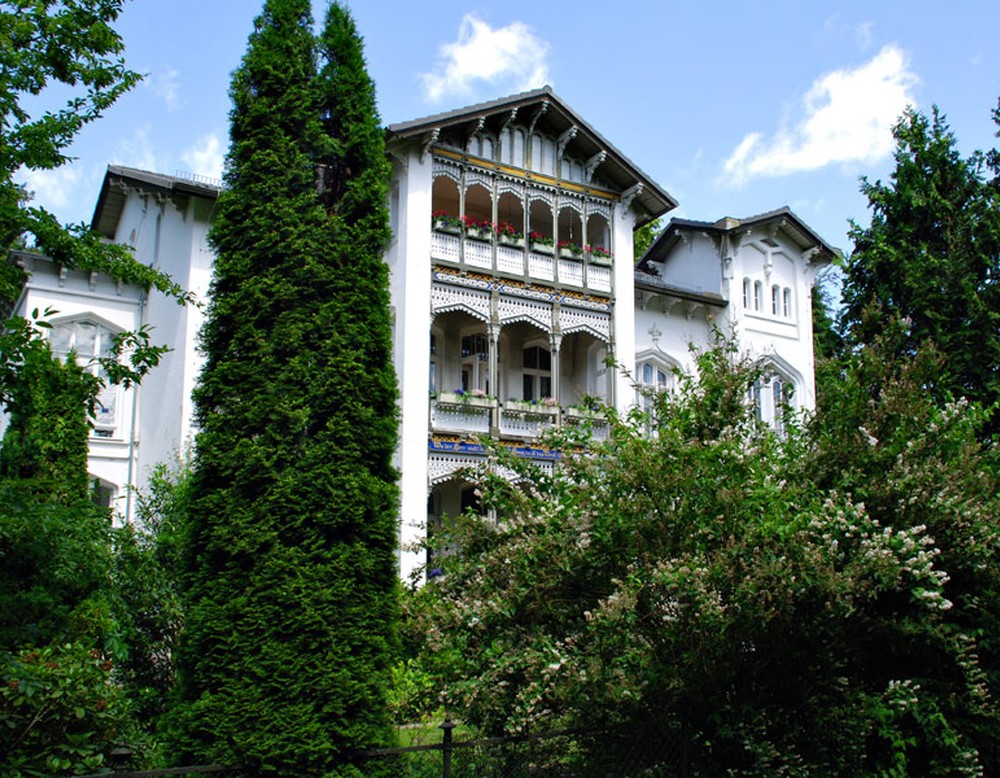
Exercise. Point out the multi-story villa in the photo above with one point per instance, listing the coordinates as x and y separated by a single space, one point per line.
514 286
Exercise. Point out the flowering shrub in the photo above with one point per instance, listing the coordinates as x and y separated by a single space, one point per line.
537 237
599 251
800 612
569 246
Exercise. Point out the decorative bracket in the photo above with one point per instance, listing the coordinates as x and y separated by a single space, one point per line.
477 128
629 195
592 164
429 140
564 140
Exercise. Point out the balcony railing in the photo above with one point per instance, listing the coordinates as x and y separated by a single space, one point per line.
533 261
467 414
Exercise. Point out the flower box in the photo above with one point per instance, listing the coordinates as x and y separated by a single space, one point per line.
511 240
599 259
477 233
567 253
466 400
542 248
529 409
441 225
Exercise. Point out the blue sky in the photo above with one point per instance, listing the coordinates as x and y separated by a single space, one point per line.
735 108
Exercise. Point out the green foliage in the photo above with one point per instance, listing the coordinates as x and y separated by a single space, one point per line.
810 603
147 601
289 545
60 712
929 258
644 237
46 435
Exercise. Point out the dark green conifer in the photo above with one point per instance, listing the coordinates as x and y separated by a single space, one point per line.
290 563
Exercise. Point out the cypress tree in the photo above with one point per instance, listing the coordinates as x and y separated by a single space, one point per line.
289 565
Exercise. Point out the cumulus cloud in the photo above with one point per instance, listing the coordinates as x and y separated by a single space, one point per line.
205 157
511 58
846 116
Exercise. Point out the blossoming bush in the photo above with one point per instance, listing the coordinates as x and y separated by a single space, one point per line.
720 578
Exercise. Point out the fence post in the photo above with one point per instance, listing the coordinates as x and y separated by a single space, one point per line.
448 725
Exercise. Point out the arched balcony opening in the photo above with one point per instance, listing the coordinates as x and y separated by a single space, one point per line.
517 382
460 354
570 228
599 236
540 219
446 501
582 370
510 215
479 204
444 197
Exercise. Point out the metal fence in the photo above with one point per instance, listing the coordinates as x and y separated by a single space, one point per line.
633 753
564 754
192 771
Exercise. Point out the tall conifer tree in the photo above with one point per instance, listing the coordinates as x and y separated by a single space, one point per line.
290 564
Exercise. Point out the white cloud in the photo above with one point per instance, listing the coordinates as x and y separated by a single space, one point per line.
205 157
166 87
847 116
510 57
52 189
137 152
863 34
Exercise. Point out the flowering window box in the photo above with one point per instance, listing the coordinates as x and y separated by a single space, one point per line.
511 240
541 409
601 259
441 225
466 400
540 247
478 233
567 253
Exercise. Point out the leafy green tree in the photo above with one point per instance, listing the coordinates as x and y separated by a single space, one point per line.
930 258
289 565
731 587
644 236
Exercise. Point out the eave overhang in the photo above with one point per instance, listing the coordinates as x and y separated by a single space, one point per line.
118 180
547 111
782 220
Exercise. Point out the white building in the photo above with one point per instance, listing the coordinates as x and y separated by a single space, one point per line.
499 333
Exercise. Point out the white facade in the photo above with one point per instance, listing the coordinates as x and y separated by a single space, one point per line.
493 335
165 221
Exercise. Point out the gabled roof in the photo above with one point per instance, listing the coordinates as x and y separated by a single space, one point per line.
118 180
781 220
549 112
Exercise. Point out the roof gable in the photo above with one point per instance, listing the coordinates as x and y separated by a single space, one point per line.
544 111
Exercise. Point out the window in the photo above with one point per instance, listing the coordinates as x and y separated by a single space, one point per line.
536 380
758 295
747 293
652 378
787 303
770 396
475 363
90 341
776 300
